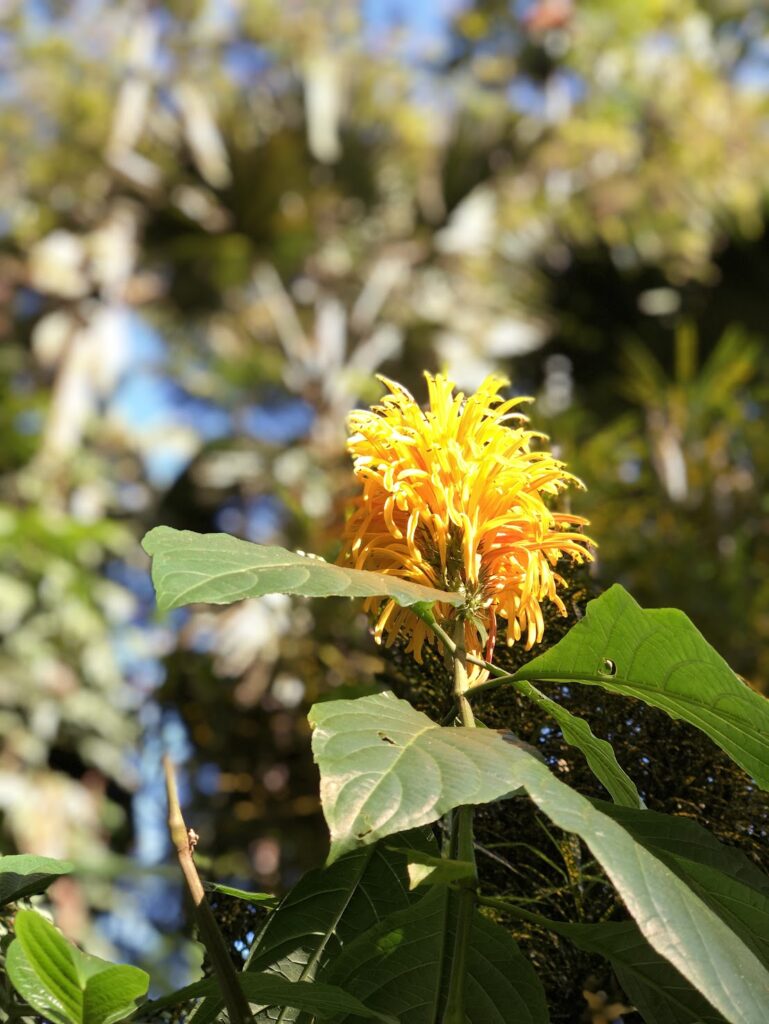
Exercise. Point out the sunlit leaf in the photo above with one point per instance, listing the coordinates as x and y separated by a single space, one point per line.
65 985
427 869
659 657
261 898
219 569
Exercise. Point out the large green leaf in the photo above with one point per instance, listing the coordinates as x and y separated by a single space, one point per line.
401 967
385 766
326 909
65 985
598 753
25 875
722 877
320 999
659 657
219 569
670 836
330 907
652 984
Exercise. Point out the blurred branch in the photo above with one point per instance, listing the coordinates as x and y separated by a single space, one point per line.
238 1010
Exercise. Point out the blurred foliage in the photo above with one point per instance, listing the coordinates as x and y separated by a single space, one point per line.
219 222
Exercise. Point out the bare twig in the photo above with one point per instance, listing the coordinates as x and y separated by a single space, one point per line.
184 841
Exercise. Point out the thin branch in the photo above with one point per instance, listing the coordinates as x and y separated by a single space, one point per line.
238 1010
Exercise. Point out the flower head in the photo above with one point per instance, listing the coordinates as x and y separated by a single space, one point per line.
454 498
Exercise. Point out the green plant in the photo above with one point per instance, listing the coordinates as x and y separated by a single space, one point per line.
400 924
694 948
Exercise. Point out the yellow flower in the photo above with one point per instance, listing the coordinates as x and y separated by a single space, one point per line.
454 498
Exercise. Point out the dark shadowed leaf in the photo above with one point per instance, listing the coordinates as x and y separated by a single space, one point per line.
652 984
25 875
668 835
329 907
401 967
322 1000
722 877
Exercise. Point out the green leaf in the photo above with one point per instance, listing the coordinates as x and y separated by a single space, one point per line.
670 836
329 907
242 894
386 768
659 657
322 1000
711 871
384 765
65 985
652 984
26 875
219 569
401 966
427 869
598 753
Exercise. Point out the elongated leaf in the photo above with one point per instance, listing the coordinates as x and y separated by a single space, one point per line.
262 898
65 985
383 764
709 869
652 984
219 569
401 966
25 875
670 836
598 753
322 1000
659 657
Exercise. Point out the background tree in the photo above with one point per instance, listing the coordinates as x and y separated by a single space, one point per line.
219 223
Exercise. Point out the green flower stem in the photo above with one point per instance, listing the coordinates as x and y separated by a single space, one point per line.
462 843
238 1009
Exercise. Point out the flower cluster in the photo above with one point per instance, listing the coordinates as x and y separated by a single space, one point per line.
453 497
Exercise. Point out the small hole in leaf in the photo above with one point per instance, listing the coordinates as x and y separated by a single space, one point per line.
386 739
609 668
362 835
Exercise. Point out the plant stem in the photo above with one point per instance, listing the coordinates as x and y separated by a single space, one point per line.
524 915
238 1010
471 659
462 842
